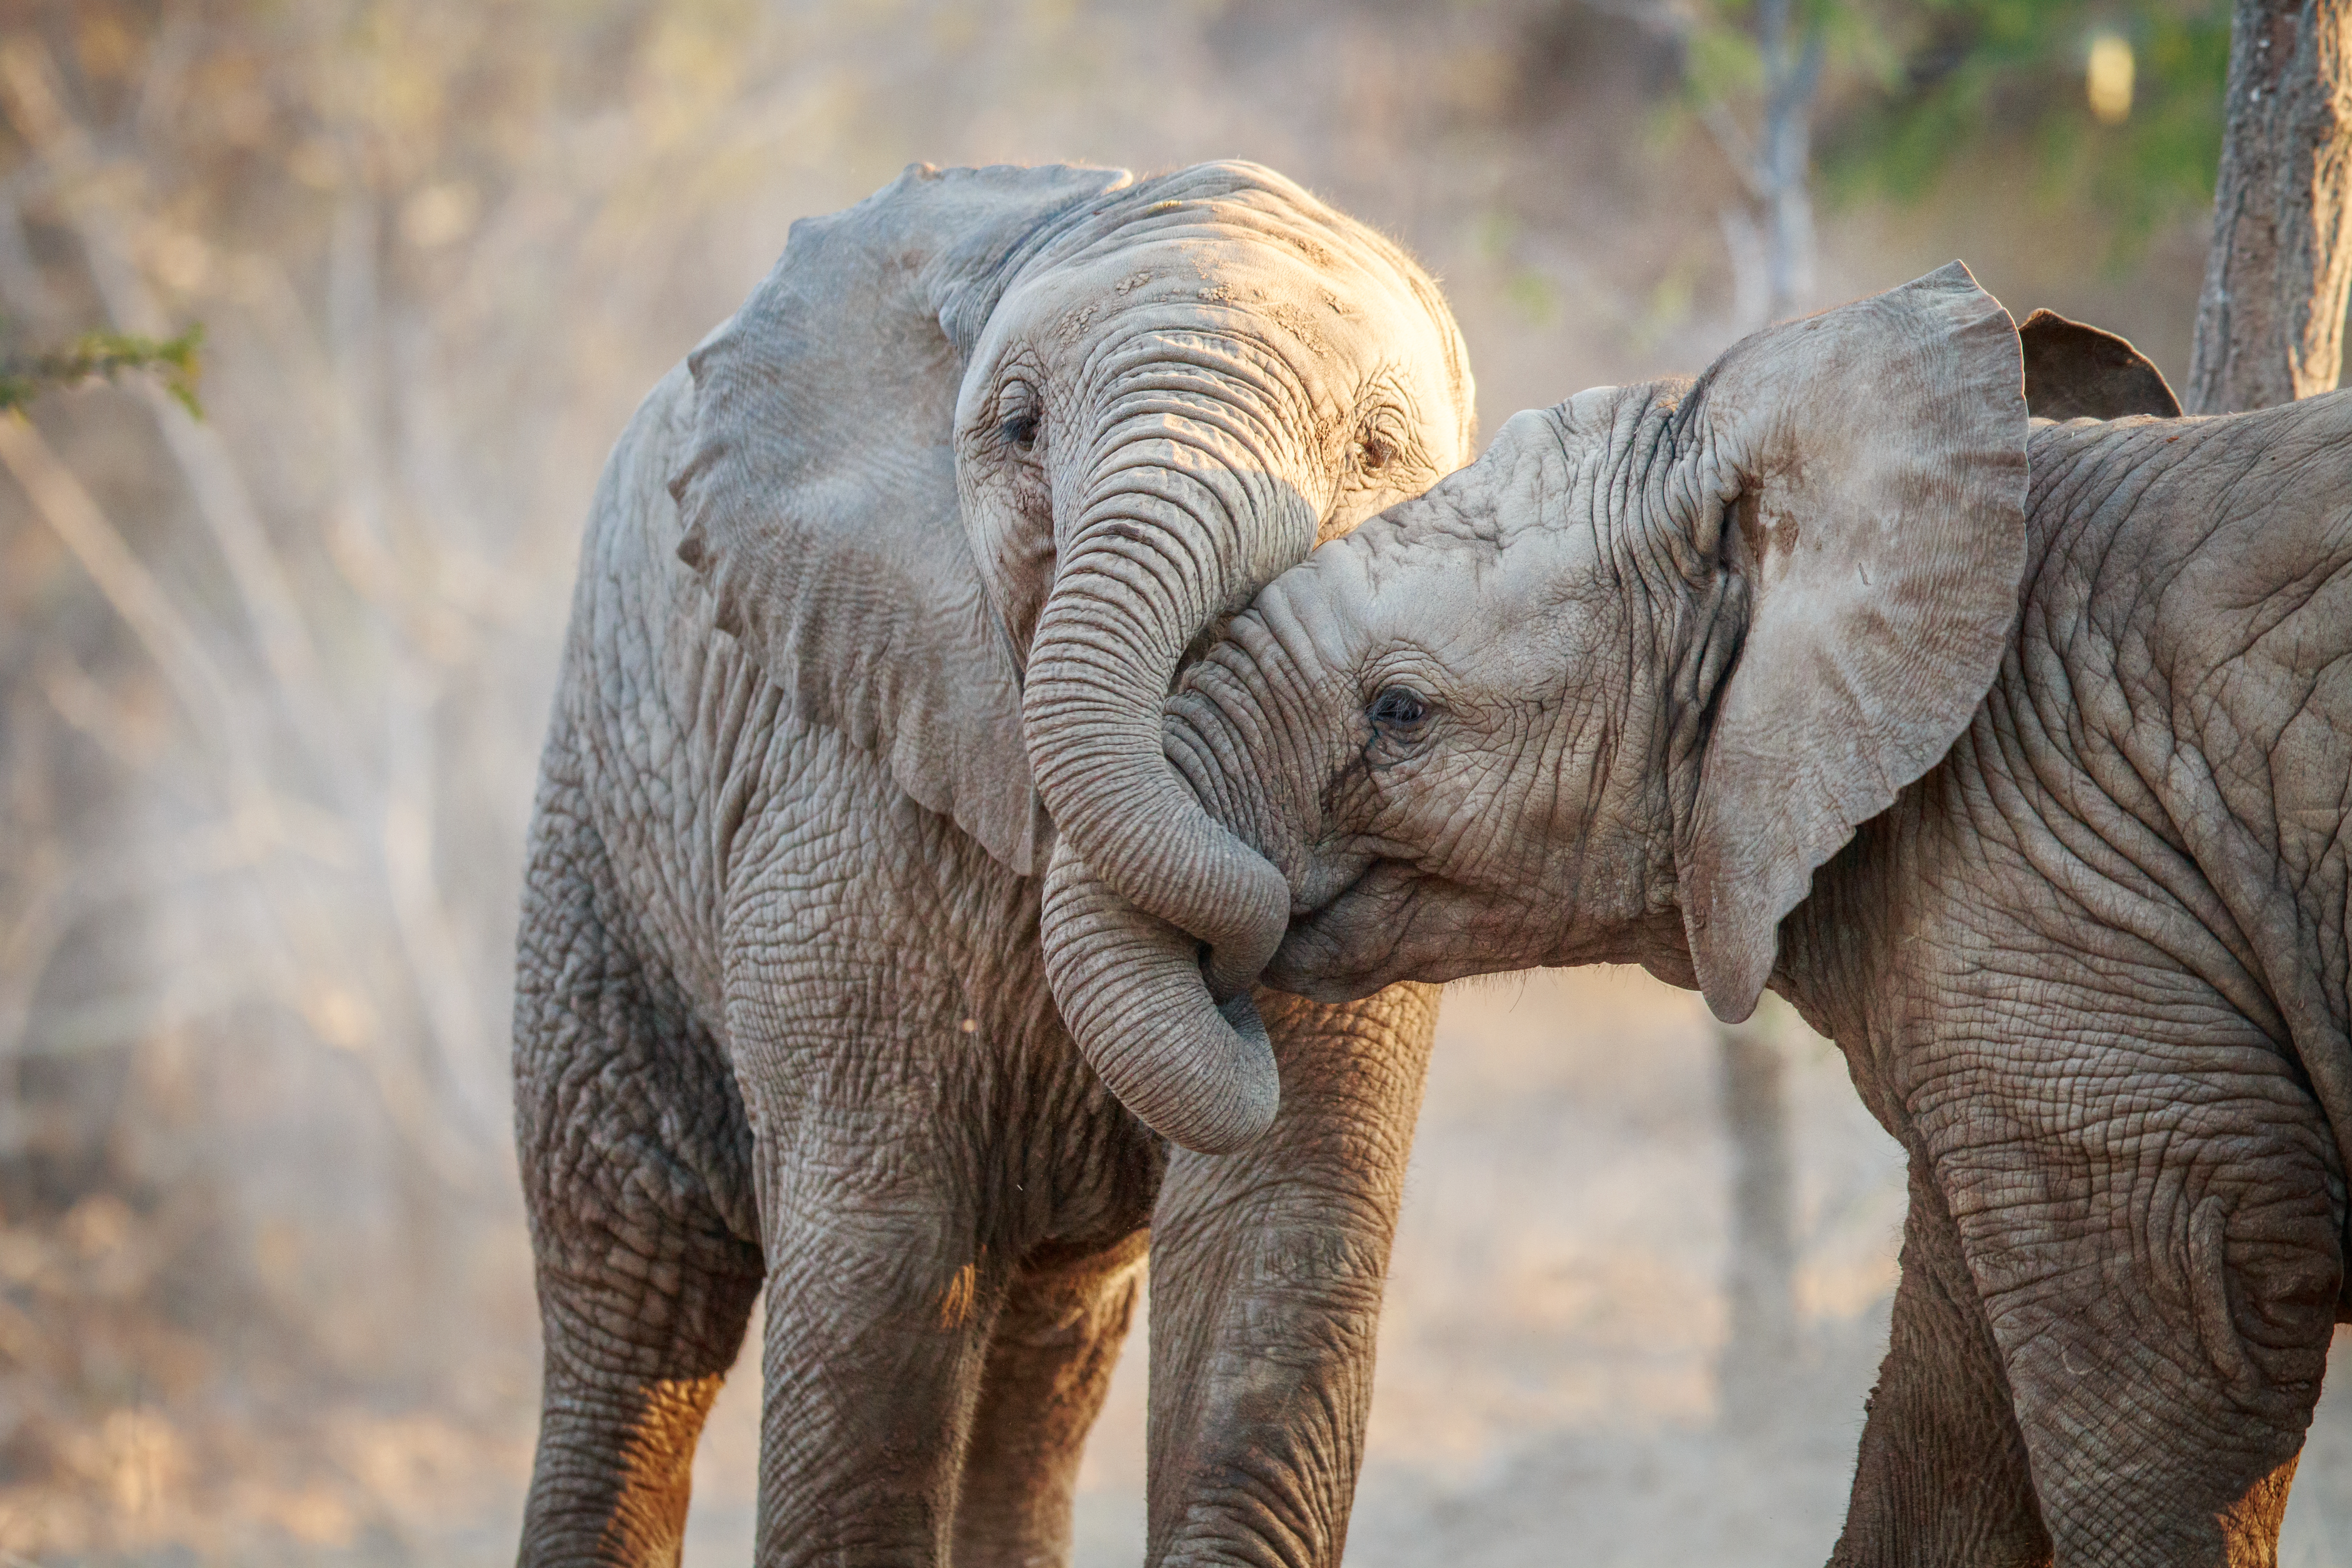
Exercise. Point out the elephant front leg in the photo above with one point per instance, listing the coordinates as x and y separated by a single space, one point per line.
879 1307
618 1426
1056 1341
2151 1222
1266 1272
635 1163
1942 1480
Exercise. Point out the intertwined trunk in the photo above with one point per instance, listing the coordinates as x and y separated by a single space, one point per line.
1145 890
2270 325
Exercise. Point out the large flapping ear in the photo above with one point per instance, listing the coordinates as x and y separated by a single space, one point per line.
2074 370
1873 462
819 494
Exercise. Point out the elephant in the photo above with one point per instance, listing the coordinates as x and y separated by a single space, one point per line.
881 592
2013 751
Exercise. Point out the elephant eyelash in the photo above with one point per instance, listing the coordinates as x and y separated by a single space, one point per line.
1019 431
1398 711
1378 452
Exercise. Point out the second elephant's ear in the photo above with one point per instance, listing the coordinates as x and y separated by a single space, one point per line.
1869 462
819 492
2074 370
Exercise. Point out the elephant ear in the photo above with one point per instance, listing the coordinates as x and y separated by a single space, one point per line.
819 492
2074 370
1870 465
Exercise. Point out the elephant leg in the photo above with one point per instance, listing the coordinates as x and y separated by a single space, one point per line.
880 1304
635 1162
1266 1271
1942 1480
1049 1363
2151 1217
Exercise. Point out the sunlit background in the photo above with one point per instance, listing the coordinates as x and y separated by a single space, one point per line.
272 684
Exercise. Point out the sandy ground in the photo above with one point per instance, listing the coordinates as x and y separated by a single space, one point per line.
1556 1331
1562 1375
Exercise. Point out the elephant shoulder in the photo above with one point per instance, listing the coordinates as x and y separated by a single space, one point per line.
643 651
2201 593
654 711
632 587
2252 543
2276 566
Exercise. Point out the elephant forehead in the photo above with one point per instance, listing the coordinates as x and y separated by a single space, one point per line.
1340 310
1538 474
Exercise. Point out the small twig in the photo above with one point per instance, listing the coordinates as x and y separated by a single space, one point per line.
103 354
60 500
29 92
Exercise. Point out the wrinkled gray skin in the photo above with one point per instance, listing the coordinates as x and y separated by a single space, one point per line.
2031 793
937 513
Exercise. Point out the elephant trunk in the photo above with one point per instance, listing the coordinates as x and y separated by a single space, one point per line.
1169 537
1130 988
1158 552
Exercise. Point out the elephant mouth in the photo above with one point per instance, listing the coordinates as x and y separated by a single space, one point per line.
1327 877
1336 948
1396 921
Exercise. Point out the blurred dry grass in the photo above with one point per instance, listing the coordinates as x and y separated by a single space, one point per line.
271 688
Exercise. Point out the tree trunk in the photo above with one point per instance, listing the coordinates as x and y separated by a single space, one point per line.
1770 233
1753 1372
2270 325
1792 70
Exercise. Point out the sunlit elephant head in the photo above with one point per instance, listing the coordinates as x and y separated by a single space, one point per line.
1613 691
988 452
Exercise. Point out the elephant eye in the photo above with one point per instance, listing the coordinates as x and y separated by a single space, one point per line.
1373 454
1020 430
1398 711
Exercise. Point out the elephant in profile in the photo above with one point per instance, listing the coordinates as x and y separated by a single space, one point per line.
881 595
2013 752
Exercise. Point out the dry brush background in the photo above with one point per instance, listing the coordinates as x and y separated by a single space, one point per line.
271 686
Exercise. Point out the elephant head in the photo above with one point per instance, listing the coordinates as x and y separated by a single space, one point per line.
986 455
1615 690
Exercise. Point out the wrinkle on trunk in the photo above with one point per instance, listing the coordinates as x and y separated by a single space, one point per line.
1148 573
1199 1074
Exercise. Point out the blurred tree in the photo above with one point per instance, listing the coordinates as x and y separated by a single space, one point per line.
2111 108
2118 108
1772 71
1759 1286
2269 325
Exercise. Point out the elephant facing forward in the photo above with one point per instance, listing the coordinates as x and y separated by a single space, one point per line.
2014 753
882 589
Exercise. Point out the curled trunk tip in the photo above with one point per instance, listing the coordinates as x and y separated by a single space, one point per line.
1099 674
1131 990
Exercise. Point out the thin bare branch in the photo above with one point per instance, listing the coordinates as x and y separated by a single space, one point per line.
60 501
27 86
